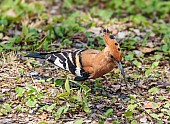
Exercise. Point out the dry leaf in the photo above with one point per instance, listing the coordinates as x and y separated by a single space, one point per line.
70 122
108 122
150 105
146 49
143 120
11 13
43 116
96 31
113 30
94 122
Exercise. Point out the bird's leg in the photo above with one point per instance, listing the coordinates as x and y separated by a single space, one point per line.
78 78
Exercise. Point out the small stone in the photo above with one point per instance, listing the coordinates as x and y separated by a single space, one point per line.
21 115
87 121
152 34
96 31
100 106
30 116
46 74
143 120
94 122
150 44
34 73
121 35
27 119
93 115
142 34
5 90
5 121
10 115
137 31
109 119
78 45
116 87
70 122
138 53
137 38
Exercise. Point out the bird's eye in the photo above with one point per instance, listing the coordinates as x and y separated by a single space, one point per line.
111 56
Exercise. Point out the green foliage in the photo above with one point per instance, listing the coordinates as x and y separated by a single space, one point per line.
76 21
67 91
70 3
128 114
130 56
129 43
137 63
153 115
58 82
6 108
49 108
30 96
19 91
148 72
159 122
154 65
86 109
132 107
158 57
134 122
17 14
60 112
76 99
153 90
67 85
138 19
145 40
161 28
19 9
31 103
42 122
103 14
151 69
109 112
78 121
73 25
146 8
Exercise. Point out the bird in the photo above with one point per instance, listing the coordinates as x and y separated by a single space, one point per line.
86 63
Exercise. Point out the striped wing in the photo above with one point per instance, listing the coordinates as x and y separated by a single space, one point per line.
70 61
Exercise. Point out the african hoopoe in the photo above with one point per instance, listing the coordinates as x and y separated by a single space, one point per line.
87 63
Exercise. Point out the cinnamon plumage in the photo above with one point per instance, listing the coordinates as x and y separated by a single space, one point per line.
86 63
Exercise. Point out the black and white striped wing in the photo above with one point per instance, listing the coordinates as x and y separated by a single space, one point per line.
70 61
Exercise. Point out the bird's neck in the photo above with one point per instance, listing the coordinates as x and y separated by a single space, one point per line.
106 52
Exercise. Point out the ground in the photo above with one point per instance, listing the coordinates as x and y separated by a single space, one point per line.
35 91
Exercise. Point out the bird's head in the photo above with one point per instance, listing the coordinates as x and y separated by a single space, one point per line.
112 50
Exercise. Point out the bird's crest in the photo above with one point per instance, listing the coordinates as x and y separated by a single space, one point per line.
111 43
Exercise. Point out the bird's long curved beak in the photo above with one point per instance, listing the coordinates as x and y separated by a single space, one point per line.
121 69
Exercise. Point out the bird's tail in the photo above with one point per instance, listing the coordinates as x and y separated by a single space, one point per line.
37 55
